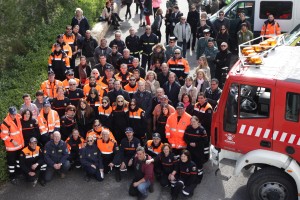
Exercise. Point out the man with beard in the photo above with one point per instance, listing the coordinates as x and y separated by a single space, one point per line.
102 49
270 27
108 75
123 75
82 71
131 87
92 84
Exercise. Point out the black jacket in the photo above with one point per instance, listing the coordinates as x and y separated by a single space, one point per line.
112 95
89 46
132 43
147 42
213 96
144 101
55 154
91 155
120 43
193 19
173 93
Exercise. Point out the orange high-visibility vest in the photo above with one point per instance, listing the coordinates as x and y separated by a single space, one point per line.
48 126
11 131
175 130
49 89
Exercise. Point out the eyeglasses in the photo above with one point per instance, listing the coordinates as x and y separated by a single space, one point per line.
176 53
90 140
72 84
104 102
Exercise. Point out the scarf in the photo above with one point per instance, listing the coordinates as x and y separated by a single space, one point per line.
199 84
188 88
82 73
151 84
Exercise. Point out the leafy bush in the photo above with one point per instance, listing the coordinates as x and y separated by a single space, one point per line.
28 31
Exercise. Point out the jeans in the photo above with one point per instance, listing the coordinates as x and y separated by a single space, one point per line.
183 45
142 188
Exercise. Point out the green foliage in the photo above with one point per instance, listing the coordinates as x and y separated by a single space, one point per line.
28 29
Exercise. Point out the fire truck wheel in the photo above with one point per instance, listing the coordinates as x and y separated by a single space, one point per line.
271 183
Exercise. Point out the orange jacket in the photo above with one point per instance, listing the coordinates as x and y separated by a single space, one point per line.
65 83
155 150
69 40
108 147
119 77
104 112
98 134
48 126
87 88
179 66
11 131
49 89
66 48
175 130
129 89
80 146
270 29
61 57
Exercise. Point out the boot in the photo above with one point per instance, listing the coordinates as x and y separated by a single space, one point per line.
118 175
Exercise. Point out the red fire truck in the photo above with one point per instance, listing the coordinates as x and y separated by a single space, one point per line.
256 122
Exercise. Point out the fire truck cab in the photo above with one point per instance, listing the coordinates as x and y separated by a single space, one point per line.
256 122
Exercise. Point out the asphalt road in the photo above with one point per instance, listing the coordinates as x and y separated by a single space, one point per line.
74 187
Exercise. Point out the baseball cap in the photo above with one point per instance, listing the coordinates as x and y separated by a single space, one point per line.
109 67
179 105
206 30
12 110
50 72
156 135
33 139
128 129
46 103
70 71
60 36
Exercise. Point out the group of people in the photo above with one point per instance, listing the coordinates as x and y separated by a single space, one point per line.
112 114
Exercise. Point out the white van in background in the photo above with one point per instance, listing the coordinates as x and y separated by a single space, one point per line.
286 13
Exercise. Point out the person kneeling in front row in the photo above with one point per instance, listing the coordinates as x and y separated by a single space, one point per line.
91 160
144 176
56 157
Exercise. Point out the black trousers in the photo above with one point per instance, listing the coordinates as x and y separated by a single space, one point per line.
128 11
90 171
146 59
13 163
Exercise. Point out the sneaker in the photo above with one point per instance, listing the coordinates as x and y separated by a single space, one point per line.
14 181
151 188
34 182
78 166
42 183
62 175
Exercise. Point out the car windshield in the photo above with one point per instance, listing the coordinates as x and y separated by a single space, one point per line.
291 37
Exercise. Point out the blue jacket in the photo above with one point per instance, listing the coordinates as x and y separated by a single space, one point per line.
54 154
91 155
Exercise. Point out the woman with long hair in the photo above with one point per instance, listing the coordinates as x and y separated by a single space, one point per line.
29 126
151 84
158 54
184 177
222 36
161 123
119 118
93 100
203 64
85 117
137 120
188 88
186 99
196 139
104 112
155 27
201 81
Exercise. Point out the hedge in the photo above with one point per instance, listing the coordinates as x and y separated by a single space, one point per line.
27 35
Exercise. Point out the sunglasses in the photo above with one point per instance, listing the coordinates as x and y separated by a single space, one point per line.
104 102
120 101
90 140
72 84
176 53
